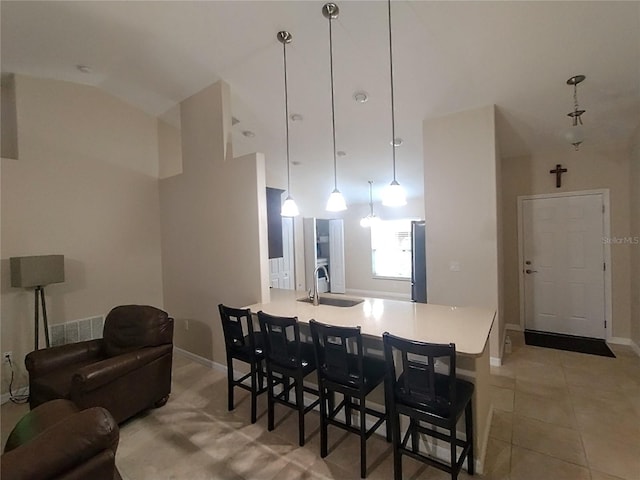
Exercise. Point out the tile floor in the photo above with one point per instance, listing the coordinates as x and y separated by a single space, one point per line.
557 415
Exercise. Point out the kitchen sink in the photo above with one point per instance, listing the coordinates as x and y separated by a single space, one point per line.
335 302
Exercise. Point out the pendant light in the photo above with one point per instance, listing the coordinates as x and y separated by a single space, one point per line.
394 195
336 201
576 134
289 207
370 219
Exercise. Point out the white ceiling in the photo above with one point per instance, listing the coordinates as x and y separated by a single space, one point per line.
448 56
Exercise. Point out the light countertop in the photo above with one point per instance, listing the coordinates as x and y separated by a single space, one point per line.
467 327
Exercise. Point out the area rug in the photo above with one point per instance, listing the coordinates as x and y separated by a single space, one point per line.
593 346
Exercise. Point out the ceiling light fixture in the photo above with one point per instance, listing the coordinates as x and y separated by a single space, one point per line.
360 97
370 219
289 207
394 195
336 201
575 135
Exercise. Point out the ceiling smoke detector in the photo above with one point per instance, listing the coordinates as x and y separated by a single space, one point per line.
296 117
248 134
84 68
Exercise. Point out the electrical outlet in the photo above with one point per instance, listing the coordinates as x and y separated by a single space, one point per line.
6 356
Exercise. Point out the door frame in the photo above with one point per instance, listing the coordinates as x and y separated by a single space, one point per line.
607 250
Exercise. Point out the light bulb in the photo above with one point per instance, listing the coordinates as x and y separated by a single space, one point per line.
394 195
289 208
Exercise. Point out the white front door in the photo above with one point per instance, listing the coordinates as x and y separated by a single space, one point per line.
563 264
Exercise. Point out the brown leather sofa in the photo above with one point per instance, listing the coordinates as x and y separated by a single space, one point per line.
126 371
57 441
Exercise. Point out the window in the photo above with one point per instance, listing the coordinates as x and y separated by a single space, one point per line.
391 248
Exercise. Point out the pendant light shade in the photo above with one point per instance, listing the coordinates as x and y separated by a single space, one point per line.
394 195
336 202
371 219
289 207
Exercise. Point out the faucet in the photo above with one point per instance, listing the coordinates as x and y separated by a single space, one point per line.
314 295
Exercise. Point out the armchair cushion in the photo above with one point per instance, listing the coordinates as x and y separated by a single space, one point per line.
56 440
131 327
94 375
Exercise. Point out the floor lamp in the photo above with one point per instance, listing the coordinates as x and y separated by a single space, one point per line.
37 272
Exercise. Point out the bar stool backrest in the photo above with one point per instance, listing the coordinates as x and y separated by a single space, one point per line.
237 326
339 353
281 336
411 367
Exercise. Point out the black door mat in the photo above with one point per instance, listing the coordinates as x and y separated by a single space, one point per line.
593 346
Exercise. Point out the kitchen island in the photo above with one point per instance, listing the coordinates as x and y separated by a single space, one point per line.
467 327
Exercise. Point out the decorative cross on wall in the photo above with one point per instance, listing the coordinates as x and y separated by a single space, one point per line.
558 171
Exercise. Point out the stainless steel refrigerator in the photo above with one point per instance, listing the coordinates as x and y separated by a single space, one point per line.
418 262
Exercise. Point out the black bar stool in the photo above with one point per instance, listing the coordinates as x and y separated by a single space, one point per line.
413 388
287 358
343 368
243 344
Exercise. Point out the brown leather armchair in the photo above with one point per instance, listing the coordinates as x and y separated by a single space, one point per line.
126 371
56 440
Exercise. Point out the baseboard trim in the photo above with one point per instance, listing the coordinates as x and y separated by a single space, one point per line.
201 360
513 326
625 341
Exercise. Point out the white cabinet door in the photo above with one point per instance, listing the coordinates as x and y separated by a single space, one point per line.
310 256
337 282
281 269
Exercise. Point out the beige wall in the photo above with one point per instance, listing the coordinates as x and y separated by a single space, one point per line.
460 175
357 248
634 185
213 226
461 209
589 168
169 150
85 186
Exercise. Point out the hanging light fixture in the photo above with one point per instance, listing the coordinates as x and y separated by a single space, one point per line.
336 201
393 195
575 135
370 219
289 207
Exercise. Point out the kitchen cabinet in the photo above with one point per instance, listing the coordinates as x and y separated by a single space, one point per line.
324 246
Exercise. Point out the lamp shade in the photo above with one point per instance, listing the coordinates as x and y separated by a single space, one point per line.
575 135
394 195
37 270
336 202
289 208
